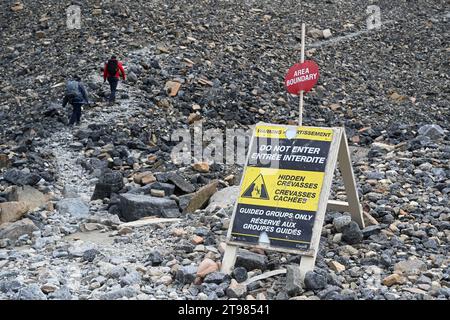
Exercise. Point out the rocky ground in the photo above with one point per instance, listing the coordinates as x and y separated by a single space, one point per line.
67 193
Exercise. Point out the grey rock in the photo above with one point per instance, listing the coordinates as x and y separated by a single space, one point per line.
116 272
13 231
371 230
18 177
9 286
166 187
132 77
119 293
110 182
250 260
216 277
31 292
186 274
240 274
340 222
155 258
133 207
131 278
433 131
351 233
90 254
181 183
293 280
223 198
315 281
75 207
62 293
410 267
70 192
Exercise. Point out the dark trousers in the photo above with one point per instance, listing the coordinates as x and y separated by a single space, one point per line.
76 113
113 82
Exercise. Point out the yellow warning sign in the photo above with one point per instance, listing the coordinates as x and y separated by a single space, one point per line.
289 189
257 189
308 133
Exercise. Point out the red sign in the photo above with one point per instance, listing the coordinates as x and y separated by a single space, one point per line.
302 76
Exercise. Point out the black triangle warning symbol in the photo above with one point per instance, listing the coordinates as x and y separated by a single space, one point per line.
257 189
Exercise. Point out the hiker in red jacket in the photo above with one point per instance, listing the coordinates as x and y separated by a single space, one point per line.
112 71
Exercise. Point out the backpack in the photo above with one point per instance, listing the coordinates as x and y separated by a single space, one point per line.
72 90
112 67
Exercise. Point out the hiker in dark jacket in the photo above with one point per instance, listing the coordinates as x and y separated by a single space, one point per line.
76 95
112 72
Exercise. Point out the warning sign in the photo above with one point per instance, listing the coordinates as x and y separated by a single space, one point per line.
281 186
257 189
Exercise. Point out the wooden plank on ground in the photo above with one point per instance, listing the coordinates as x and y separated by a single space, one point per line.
148 221
265 275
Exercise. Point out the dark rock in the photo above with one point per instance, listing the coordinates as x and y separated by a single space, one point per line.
250 260
134 207
216 277
181 183
17 177
293 281
155 258
315 281
186 274
240 274
371 230
166 187
351 233
110 182
90 254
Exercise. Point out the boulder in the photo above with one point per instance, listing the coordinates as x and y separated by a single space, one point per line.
134 207
31 292
30 196
15 230
206 267
201 197
250 260
340 222
12 211
293 280
21 178
410 267
181 183
432 131
351 233
109 182
224 198
315 281
186 274
75 207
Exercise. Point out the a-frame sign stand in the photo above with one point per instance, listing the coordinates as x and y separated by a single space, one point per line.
306 241
338 153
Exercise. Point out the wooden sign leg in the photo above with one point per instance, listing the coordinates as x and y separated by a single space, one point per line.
229 258
345 166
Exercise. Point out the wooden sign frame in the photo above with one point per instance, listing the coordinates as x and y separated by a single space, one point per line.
338 153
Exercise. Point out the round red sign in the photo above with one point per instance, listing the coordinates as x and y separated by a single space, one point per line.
301 76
